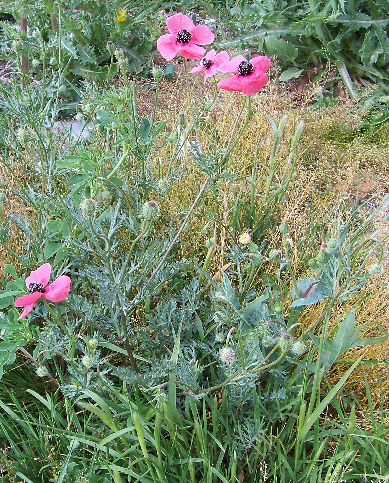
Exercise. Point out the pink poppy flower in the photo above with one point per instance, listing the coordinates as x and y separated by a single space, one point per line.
184 38
36 286
250 75
211 63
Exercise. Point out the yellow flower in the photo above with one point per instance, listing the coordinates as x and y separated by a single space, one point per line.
121 17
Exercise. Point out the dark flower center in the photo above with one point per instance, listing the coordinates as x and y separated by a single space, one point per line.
245 68
36 287
184 37
207 63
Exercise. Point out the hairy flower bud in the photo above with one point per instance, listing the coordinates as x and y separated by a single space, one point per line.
86 361
17 46
375 269
278 307
332 243
245 238
227 354
24 136
150 210
93 343
163 185
123 64
88 207
41 371
321 256
157 73
285 342
298 348
110 47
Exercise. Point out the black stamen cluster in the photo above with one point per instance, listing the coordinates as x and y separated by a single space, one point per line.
36 287
183 36
207 63
245 68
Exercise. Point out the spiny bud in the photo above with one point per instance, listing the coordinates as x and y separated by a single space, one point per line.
150 210
274 253
285 342
332 243
41 371
79 117
209 243
118 53
163 185
17 46
53 61
24 136
227 354
35 63
86 361
278 307
298 348
88 207
245 238
157 73
321 256
375 269
123 64
110 47
93 343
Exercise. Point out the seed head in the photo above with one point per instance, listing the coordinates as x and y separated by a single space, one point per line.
41 371
86 361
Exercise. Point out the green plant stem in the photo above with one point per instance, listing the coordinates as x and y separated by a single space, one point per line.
124 155
58 319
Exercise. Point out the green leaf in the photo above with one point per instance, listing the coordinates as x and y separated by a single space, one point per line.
310 292
10 270
51 249
77 179
280 48
291 73
144 128
60 255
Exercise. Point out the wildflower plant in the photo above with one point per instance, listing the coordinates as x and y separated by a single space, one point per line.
142 338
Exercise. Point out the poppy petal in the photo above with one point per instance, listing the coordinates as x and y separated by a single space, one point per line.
178 22
230 84
26 311
58 290
253 83
201 34
232 65
40 275
167 46
29 299
261 62
197 69
221 58
191 51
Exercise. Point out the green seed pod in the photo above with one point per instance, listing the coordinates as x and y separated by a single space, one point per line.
123 64
24 136
118 53
150 210
88 207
